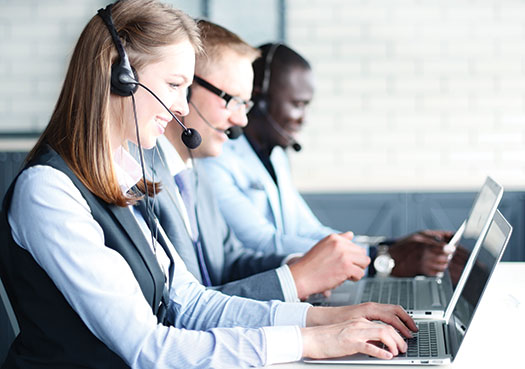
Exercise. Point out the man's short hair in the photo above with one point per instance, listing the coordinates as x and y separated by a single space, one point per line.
216 40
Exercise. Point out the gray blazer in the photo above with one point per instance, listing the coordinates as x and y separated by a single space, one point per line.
233 270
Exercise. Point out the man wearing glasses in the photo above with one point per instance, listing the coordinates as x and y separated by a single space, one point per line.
219 101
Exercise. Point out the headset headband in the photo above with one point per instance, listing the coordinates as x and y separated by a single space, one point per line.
268 69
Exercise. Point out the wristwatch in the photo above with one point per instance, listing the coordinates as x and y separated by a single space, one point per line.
383 263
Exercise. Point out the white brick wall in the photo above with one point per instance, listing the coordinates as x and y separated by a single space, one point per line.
38 36
411 94
36 41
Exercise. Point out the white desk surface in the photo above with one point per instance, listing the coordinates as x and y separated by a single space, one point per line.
496 337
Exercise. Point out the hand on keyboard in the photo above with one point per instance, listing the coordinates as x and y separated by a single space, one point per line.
391 314
351 337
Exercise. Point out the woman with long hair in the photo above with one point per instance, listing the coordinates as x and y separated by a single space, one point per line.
92 279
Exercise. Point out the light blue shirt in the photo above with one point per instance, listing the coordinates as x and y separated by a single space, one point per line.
175 165
275 218
210 329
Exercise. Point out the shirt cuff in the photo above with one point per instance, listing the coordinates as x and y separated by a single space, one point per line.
287 284
291 313
283 344
291 256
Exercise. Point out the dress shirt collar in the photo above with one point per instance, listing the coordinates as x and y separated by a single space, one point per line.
127 170
174 162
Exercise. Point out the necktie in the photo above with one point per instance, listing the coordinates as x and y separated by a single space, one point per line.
184 181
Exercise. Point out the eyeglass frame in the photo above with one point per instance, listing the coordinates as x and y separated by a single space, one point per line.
248 105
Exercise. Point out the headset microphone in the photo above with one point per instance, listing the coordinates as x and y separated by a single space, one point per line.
190 136
294 144
233 132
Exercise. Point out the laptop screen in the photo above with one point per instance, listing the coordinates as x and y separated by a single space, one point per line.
476 226
484 263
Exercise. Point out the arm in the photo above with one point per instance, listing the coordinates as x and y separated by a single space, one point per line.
420 253
99 285
262 286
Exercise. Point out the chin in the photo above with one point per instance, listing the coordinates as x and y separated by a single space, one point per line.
214 151
148 144
206 152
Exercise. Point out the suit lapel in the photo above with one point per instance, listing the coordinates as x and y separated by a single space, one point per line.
170 216
132 228
280 165
254 166
213 255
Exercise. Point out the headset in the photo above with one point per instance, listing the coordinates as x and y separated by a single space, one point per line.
261 99
233 132
124 80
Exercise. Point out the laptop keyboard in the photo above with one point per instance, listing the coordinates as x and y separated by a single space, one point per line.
423 343
389 292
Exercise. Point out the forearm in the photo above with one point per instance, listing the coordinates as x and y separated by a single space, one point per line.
262 286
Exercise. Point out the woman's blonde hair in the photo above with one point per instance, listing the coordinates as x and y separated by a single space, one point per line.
79 126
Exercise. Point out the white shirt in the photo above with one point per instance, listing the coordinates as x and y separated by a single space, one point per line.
99 285
175 165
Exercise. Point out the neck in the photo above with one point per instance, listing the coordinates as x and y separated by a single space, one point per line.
173 133
255 131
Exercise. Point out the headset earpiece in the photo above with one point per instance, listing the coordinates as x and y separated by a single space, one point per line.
260 104
188 94
123 76
123 79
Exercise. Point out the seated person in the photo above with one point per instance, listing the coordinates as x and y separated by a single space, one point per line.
198 231
252 175
93 280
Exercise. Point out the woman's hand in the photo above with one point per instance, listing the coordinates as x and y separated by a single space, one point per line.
355 336
393 315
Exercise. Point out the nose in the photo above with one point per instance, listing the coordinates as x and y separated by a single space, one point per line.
180 106
239 117
301 115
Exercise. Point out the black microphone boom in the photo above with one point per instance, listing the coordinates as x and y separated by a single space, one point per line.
191 138
296 146
233 132
291 141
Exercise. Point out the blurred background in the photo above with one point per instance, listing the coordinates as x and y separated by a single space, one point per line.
417 101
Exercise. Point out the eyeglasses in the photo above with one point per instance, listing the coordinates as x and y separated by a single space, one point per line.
233 103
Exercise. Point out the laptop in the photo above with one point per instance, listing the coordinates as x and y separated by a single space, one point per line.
438 341
422 296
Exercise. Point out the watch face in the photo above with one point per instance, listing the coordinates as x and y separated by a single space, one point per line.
384 264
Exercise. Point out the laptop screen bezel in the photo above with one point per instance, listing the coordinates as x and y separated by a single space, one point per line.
453 332
497 189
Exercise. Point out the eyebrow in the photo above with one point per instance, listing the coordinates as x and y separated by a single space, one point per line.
178 75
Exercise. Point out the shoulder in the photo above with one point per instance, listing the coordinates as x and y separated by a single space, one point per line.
43 184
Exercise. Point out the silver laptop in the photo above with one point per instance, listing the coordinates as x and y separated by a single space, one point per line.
421 296
438 341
